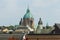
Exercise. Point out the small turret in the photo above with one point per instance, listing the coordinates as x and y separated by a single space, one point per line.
47 26
39 27
20 23
40 22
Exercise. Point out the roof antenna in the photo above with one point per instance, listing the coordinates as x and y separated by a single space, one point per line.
28 6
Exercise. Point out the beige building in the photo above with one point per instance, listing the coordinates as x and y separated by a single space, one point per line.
22 29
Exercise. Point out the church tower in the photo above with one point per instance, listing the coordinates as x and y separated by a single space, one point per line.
28 19
40 23
39 27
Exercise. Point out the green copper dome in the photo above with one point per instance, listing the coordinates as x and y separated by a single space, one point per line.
28 14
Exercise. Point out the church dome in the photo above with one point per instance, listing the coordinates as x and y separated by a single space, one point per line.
28 14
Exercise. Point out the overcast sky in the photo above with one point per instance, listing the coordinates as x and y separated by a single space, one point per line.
11 11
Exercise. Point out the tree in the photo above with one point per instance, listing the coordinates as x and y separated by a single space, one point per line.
11 27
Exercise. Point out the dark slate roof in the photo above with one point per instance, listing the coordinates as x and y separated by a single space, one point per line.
43 34
58 25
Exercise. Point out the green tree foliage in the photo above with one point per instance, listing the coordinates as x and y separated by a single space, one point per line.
11 27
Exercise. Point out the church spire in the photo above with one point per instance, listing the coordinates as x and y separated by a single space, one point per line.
47 25
39 27
40 21
20 22
28 9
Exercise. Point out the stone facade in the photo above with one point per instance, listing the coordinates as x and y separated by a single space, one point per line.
28 21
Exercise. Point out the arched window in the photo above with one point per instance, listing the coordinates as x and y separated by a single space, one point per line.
31 22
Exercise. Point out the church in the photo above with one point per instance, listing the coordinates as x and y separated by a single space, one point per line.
27 19
26 25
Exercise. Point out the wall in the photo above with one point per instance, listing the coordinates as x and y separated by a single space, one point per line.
11 36
42 37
